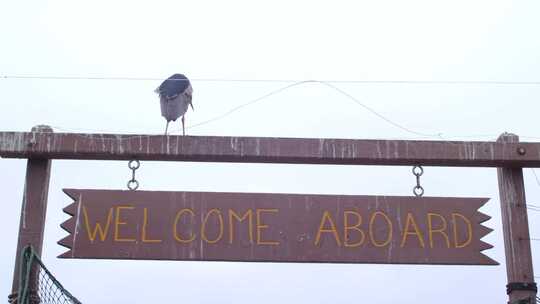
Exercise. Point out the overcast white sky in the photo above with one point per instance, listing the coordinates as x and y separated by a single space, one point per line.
325 40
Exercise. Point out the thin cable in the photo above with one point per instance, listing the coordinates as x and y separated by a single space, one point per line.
535 176
248 103
422 82
376 113
231 110
323 83
327 84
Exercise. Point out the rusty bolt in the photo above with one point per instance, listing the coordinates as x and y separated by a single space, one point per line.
521 151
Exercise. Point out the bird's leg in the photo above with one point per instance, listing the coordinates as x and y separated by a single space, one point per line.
183 128
166 127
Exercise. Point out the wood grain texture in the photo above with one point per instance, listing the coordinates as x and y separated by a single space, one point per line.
267 150
515 225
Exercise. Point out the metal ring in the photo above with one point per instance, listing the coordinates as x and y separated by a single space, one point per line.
130 185
137 164
418 173
418 191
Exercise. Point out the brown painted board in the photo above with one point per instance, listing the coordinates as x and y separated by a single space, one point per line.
265 227
515 223
268 150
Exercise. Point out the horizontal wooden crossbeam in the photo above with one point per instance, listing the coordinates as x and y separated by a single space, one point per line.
267 150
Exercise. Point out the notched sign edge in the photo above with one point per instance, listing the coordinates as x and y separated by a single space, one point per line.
482 232
70 226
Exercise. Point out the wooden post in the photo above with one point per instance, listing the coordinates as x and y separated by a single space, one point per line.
33 211
521 287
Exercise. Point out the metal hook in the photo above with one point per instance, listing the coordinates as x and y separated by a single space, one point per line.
418 190
133 184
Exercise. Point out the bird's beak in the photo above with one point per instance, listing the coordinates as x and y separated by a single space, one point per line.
191 104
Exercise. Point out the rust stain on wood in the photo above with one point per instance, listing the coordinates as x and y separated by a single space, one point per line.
217 226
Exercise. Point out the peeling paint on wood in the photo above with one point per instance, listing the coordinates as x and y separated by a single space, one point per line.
33 211
267 150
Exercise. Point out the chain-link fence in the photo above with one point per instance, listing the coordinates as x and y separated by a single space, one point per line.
37 284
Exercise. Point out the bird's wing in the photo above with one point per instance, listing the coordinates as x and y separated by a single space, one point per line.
173 86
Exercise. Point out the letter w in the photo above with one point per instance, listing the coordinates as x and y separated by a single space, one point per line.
98 227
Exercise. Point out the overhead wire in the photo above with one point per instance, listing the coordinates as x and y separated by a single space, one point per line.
124 78
333 87
328 84
236 108
354 99
535 177
229 112
284 88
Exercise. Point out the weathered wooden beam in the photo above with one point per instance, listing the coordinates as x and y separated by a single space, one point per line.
267 150
519 267
33 212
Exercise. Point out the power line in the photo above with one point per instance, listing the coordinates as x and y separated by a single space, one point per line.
396 82
274 92
535 176
247 104
329 85
231 111
333 87
399 126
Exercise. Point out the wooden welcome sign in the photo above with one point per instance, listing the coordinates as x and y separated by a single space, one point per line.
214 226
279 227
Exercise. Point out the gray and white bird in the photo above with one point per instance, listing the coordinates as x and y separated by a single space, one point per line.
175 95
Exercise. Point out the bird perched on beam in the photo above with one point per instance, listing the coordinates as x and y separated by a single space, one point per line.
175 94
